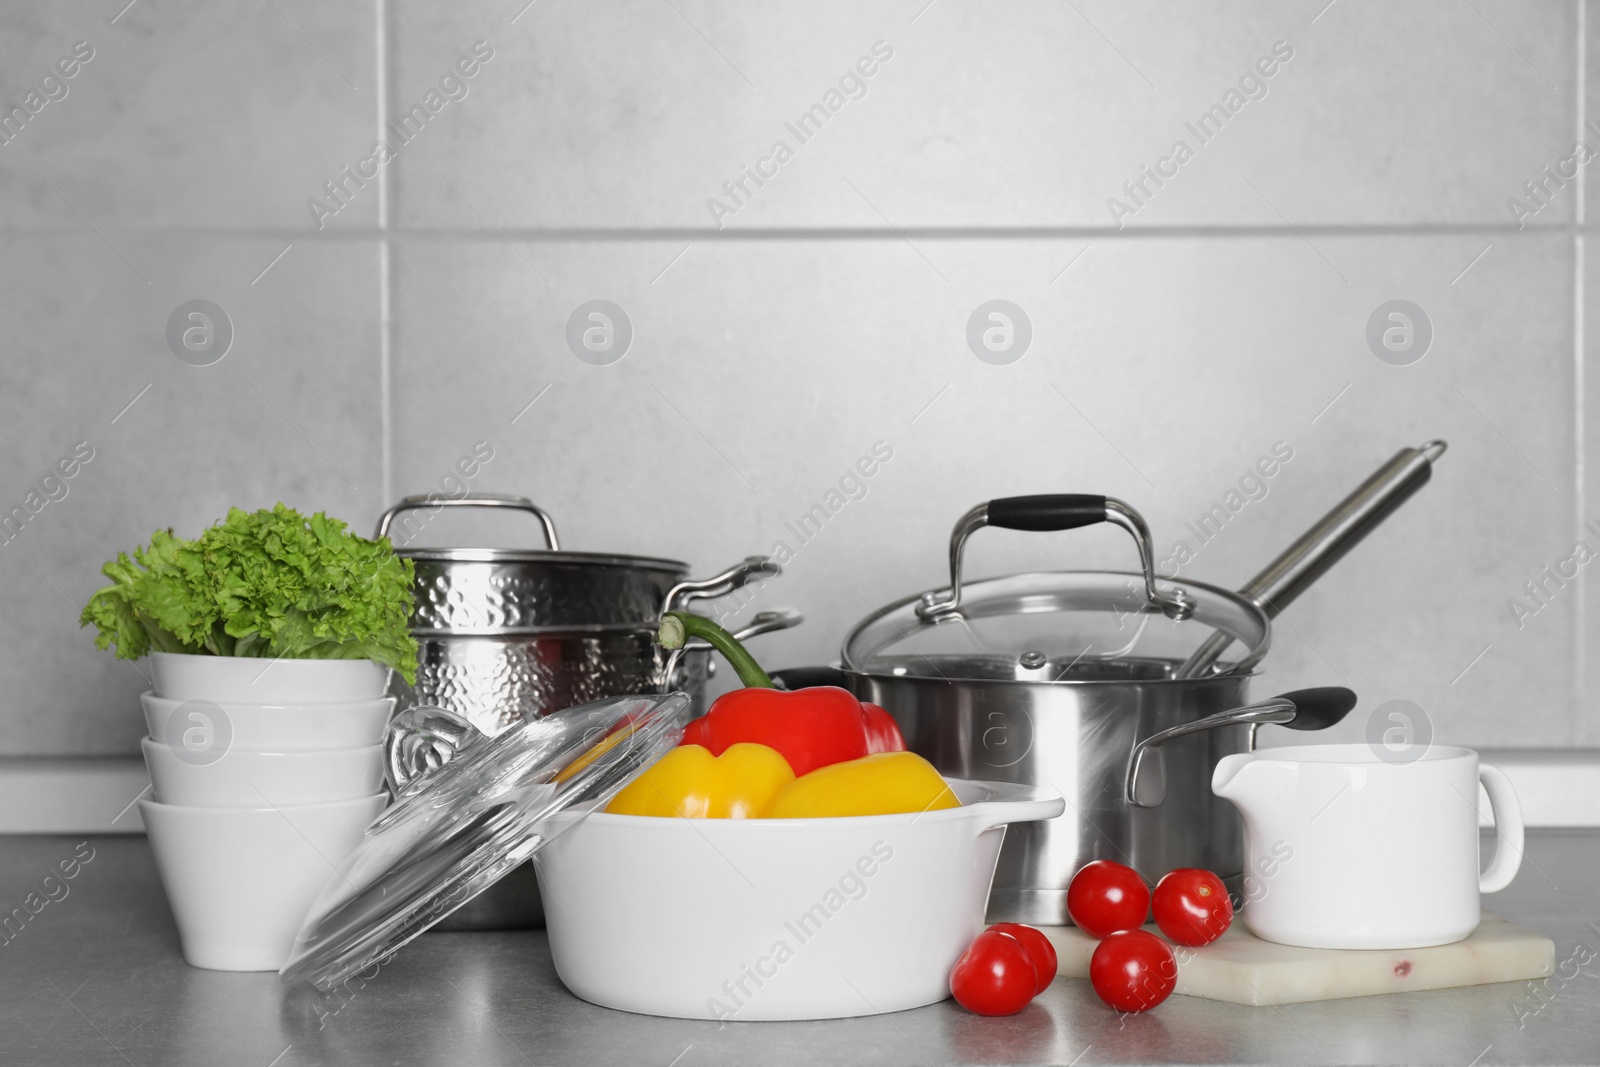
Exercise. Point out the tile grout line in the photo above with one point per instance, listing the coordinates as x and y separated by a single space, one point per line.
1580 679
385 272
381 55
808 233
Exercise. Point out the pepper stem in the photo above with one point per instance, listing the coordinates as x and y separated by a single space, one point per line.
678 627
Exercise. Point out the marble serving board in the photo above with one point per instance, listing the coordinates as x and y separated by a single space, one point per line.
1243 969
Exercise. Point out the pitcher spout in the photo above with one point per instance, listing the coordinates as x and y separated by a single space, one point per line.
1230 780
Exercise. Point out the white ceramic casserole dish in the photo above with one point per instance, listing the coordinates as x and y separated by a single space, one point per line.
775 919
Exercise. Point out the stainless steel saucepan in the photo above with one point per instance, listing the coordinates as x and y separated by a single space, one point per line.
1106 686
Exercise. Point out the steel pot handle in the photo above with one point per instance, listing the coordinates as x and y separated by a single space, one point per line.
1145 785
1050 512
764 622
735 577
472 500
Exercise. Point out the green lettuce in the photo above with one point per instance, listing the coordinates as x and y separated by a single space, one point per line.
270 583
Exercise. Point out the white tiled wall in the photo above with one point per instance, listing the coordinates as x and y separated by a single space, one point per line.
827 313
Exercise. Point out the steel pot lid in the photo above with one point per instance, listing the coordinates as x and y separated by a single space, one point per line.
1059 626
468 810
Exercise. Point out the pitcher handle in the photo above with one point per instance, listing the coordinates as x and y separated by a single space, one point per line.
1508 829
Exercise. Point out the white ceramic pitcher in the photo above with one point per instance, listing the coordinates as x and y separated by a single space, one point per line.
1350 850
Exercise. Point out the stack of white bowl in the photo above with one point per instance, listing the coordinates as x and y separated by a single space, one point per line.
264 776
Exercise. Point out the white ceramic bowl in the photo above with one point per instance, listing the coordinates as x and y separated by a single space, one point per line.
240 880
748 919
242 680
271 727
240 779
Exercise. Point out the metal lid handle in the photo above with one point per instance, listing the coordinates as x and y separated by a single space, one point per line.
1052 512
472 500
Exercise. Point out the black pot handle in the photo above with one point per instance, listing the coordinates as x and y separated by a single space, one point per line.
1320 708
792 678
1047 511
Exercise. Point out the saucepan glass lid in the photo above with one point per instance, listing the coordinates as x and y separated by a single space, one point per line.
468 809
1063 626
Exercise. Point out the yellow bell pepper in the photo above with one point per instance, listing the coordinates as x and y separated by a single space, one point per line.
884 783
691 783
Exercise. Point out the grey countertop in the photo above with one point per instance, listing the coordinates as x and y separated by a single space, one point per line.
96 978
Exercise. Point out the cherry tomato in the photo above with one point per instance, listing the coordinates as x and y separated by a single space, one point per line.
1040 951
1192 906
994 976
1105 897
1133 970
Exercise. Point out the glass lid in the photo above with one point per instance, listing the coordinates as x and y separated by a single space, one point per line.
1063 626
468 809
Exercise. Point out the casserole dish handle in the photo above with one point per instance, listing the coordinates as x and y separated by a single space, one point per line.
1004 812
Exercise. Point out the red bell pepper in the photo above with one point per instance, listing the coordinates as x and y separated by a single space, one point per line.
883 733
811 727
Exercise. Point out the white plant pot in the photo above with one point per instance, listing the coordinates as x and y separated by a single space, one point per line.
243 680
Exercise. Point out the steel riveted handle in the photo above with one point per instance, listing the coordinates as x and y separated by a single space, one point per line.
1047 513
765 622
750 569
1304 709
735 577
472 500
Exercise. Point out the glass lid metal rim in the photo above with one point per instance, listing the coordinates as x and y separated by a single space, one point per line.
1030 593
1167 665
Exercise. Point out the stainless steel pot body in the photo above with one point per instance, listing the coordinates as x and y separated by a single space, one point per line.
506 636
1077 737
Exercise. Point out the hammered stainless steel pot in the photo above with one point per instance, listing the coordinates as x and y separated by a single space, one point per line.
509 634
506 635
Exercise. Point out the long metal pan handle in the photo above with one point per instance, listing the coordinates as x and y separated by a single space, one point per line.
472 500
1051 512
1320 547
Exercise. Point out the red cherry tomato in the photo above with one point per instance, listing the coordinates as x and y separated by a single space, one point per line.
1041 953
994 976
1105 897
1192 906
1133 970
